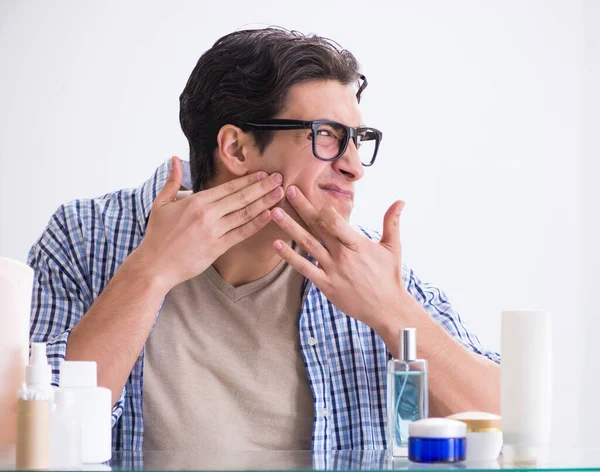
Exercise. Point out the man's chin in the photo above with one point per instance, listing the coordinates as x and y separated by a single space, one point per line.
344 209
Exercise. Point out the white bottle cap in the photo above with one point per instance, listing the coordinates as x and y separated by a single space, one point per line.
64 398
437 428
78 374
38 372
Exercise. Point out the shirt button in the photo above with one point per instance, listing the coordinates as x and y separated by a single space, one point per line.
312 341
324 412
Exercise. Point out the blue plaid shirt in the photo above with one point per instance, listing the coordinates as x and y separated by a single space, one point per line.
86 241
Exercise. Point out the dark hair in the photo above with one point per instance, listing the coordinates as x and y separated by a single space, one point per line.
246 76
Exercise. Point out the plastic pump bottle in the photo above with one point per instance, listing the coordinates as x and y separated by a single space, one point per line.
33 415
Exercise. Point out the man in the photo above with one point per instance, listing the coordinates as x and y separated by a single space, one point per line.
259 343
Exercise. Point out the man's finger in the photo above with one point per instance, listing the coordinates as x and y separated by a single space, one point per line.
306 240
308 213
226 189
247 213
246 196
243 232
169 191
340 228
391 226
301 264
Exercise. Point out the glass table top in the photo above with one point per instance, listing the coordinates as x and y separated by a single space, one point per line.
559 459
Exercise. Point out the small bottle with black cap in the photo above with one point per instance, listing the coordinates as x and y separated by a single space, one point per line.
407 398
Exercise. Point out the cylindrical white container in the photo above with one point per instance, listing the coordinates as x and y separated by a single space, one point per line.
16 283
484 437
65 432
93 406
526 385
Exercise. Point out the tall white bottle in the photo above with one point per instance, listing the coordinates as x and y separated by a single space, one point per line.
16 283
93 405
526 385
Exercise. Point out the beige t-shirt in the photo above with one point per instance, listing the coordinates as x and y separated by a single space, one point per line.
223 367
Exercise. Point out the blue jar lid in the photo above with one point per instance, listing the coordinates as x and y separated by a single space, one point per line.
437 449
437 440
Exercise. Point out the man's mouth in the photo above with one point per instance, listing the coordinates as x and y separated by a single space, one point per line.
337 192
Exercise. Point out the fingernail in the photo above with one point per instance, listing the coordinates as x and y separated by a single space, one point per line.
277 178
262 175
277 214
277 245
291 192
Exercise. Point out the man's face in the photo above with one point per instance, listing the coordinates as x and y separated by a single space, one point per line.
290 152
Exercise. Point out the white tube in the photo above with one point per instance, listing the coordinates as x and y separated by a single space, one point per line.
526 385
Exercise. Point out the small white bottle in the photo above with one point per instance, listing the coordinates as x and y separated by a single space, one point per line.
65 432
93 405
33 414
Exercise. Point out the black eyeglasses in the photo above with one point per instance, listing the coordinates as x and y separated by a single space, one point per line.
329 138
361 87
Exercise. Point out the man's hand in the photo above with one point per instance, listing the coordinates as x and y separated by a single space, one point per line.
185 237
361 277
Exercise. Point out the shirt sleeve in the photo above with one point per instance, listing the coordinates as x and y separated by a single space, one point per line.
439 307
60 295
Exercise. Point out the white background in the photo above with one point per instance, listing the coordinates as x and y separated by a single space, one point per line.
488 120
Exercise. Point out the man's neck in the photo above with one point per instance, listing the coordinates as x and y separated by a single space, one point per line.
251 259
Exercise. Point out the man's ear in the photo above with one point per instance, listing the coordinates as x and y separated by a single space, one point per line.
233 145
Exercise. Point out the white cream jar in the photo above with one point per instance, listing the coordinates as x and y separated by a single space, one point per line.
484 435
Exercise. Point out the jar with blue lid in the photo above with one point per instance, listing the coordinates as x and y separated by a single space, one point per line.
437 440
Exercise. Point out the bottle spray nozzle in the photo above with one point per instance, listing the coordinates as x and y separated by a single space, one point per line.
38 371
408 344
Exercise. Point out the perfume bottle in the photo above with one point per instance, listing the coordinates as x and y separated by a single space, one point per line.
407 398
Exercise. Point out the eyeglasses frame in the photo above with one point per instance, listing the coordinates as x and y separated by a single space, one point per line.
281 124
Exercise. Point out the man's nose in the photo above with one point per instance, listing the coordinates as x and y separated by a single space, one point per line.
349 164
